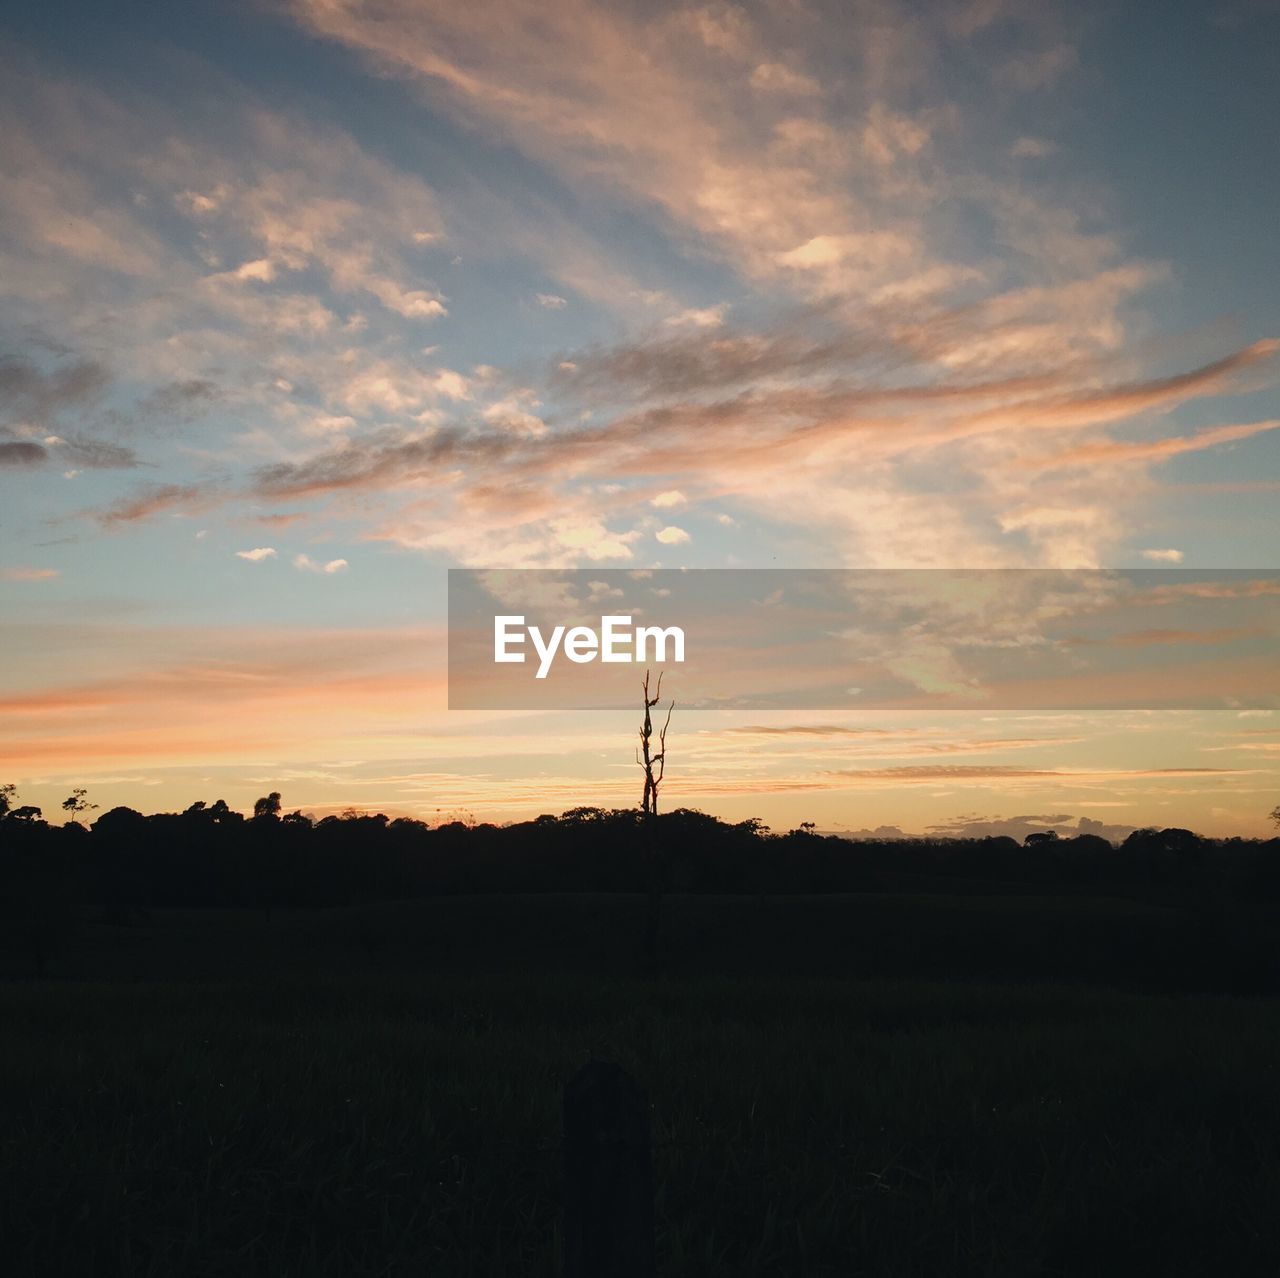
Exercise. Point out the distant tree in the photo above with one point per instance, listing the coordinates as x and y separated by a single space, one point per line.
121 838
576 816
267 807
267 870
1040 838
33 893
220 814
1275 815
23 813
75 804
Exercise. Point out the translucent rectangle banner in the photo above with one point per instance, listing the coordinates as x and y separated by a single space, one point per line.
904 639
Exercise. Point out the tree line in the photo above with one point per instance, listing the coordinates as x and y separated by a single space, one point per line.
210 855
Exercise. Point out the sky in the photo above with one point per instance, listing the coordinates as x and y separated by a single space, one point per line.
303 302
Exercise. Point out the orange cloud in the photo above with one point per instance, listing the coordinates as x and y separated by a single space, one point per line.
237 694
1155 450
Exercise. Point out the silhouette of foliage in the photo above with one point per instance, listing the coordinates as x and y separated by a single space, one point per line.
210 855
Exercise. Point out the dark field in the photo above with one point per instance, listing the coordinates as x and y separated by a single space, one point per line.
847 1085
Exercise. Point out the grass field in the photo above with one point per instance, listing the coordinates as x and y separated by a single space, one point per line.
356 1093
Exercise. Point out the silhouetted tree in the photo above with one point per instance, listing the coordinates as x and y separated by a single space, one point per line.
267 807
33 894
120 835
220 814
75 803
269 869
644 757
655 767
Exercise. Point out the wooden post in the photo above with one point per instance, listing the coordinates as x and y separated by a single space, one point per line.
608 1176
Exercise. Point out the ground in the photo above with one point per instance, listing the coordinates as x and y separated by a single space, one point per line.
377 1091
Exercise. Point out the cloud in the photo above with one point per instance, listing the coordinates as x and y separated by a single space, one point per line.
666 500
672 536
96 454
22 453
1156 638
512 416
180 399
261 269
34 399
28 574
304 563
944 772
801 345
1157 450
35 394
806 730
257 554
566 85
1027 148
1018 827
783 447
280 267
550 301
192 696
1164 556
154 500
880 834
775 77
1040 69
995 772
697 317
1254 588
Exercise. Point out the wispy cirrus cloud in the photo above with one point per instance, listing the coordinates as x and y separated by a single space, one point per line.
154 500
980 772
1118 452
893 356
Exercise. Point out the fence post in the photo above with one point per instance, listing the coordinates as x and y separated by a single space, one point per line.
608 1176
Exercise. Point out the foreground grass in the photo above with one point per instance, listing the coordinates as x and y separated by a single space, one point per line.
392 1123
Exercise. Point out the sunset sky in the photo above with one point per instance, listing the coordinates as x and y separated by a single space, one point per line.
303 302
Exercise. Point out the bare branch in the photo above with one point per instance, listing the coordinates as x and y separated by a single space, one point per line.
654 765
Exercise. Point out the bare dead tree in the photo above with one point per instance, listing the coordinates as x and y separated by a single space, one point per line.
644 756
655 767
